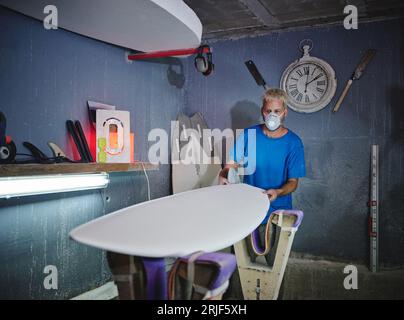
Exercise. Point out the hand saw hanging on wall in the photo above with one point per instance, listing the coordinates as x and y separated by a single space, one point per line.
356 76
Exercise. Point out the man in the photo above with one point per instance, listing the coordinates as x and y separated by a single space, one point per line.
279 156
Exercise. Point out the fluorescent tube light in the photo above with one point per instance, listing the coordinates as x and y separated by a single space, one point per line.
36 185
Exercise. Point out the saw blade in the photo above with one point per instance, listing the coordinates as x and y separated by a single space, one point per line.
255 73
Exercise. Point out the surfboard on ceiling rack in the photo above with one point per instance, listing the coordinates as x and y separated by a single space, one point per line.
146 26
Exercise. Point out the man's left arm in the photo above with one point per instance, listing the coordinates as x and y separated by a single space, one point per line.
289 187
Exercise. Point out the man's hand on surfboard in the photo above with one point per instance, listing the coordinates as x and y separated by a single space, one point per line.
223 181
223 175
272 194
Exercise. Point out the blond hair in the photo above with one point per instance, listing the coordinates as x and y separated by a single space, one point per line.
275 93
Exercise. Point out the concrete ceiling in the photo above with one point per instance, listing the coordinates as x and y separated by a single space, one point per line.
223 19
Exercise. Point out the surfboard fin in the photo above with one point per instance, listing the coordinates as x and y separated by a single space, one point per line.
56 150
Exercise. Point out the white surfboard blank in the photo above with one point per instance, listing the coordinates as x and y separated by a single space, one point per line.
207 219
146 25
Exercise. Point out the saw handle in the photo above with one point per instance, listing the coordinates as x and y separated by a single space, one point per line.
343 95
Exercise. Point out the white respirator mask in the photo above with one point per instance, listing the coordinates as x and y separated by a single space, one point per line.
273 121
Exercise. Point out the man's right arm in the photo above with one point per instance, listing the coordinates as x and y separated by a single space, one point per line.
234 159
225 171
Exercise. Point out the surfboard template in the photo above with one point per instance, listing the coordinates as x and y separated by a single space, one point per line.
187 136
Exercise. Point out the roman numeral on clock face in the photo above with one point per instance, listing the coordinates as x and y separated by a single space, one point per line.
320 90
293 86
299 97
300 73
314 70
321 83
306 70
294 93
307 99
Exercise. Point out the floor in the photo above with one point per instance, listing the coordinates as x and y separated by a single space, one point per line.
318 279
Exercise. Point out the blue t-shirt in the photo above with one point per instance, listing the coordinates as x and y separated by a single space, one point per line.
271 162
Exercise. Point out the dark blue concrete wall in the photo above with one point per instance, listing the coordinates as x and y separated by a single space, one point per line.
46 77
335 193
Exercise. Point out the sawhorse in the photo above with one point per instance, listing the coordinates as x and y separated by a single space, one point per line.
261 282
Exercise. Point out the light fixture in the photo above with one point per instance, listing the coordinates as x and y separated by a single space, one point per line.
36 185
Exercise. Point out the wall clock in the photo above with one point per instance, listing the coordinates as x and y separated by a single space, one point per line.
309 82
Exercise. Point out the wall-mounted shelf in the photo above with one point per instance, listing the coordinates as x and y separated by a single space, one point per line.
13 170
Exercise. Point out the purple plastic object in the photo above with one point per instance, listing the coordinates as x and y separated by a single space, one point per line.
156 279
256 235
299 214
227 264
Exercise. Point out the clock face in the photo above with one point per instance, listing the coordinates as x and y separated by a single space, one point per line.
307 83
310 84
